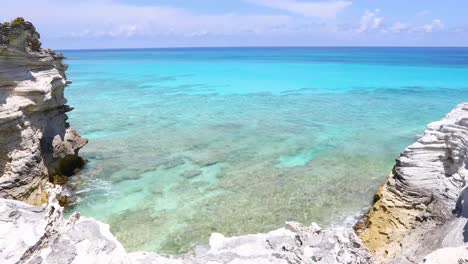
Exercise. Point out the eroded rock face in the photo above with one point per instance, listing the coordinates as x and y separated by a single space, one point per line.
36 140
413 213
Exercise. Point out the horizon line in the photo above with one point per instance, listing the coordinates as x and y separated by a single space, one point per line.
242 47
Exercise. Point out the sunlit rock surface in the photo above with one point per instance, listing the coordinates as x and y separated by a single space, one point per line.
421 208
457 255
36 141
33 234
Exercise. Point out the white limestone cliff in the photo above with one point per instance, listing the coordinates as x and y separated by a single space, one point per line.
36 141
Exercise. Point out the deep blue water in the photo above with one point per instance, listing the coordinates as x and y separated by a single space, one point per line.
185 142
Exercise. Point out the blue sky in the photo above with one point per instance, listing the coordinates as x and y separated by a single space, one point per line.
184 23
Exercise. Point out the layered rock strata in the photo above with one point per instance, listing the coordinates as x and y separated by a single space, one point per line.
421 207
36 141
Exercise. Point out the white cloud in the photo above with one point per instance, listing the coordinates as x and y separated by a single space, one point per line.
370 21
377 22
435 25
77 23
200 33
109 18
398 27
459 30
322 9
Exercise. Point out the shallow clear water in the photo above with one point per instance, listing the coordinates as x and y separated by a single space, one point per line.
186 142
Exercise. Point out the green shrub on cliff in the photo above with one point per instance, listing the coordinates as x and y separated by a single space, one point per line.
17 21
14 23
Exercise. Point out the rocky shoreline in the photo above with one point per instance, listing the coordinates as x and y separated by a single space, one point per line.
418 216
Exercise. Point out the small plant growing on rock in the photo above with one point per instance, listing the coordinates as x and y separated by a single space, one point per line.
17 21
7 40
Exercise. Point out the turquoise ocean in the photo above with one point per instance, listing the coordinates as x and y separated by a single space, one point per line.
186 142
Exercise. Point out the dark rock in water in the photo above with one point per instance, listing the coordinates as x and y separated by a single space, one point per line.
210 162
172 163
191 174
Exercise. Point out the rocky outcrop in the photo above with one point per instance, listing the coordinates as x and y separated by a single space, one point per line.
36 142
39 234
422 207
31 234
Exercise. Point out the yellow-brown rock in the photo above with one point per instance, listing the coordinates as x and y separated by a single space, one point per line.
412 212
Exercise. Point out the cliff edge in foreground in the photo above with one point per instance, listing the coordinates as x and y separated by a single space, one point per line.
33 234
36 141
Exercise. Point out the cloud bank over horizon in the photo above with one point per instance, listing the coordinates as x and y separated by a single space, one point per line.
158 23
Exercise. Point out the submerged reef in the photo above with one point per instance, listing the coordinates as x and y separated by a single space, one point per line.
418 216
36 141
